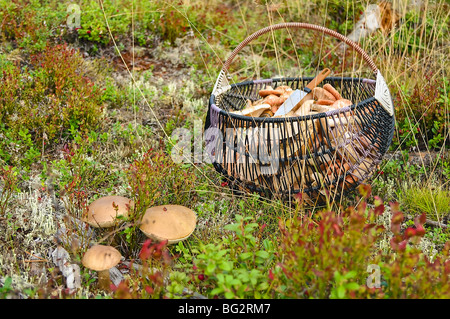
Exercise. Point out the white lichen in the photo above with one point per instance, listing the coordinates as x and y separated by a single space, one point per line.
42 215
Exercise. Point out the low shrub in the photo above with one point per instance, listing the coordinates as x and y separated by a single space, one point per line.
237 266
333 256
423 120
154 179
355 254
30 24
149 280
48 99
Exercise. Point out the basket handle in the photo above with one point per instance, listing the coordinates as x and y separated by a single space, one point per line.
297 25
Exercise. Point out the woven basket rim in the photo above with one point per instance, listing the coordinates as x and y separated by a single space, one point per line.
212 101
290 118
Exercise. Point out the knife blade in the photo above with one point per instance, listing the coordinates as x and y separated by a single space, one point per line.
295 100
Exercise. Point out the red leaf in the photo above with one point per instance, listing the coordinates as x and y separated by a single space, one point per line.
421 219
149 290
410 232
402 245
271 276
337 229
365 190
298 197
420 231
395 207
146 250
377 201
447 267
395 228
379 209
397 218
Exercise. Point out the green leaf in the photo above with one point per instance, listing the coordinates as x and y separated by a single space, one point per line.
235 282
201 256
262 286
262 254
8 282
249 227
268 245
216 291
210 268
246 255
337 276
352 286
221 252
226 265
350 274
220 277
229 295
341 292
232 227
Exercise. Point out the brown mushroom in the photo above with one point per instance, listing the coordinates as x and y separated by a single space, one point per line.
101 259
324 102
278 91
322 94
173 223
284 88
268 91
273 100
304 109
254 110
103 212
333 91
341 103
320 108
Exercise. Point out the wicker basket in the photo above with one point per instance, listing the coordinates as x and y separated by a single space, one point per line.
329 152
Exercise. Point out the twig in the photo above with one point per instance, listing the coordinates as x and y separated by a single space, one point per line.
39 259
437 224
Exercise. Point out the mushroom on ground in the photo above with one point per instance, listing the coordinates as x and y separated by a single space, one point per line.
173 223
103 212
101 259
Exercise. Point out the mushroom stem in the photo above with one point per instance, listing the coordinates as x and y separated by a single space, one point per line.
104 281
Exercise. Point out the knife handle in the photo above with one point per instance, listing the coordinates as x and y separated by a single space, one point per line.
311 85
319 78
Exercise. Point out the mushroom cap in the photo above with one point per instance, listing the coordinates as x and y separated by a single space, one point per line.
101 212
100 257
341 103
173 223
